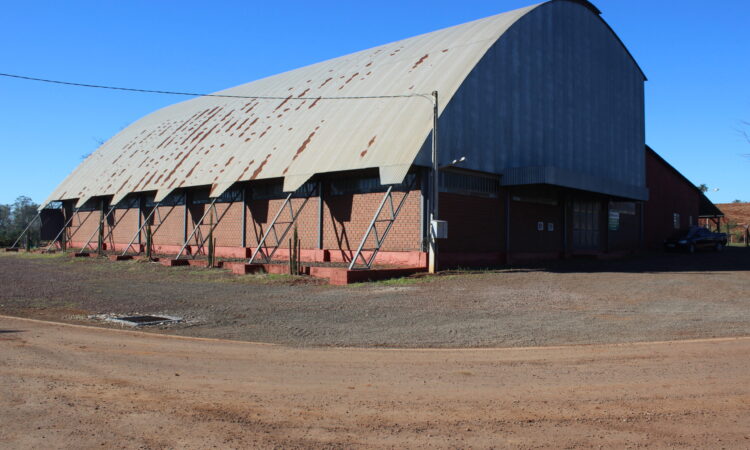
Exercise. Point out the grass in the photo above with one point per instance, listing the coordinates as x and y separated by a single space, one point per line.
198 274
22 254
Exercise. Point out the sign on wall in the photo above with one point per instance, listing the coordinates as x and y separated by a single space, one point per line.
614 220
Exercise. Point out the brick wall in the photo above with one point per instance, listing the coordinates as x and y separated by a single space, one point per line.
171 230
89 222
475 224
669 193
127 226
261 212
346 218
228 231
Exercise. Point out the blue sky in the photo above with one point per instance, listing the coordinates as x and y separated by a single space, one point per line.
696 55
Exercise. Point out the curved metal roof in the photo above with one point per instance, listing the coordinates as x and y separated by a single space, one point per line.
219 141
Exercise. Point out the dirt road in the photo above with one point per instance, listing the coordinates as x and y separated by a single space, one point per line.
71 386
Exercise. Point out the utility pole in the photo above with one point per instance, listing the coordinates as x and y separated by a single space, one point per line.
433 256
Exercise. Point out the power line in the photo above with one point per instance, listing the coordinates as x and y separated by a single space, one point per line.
195 94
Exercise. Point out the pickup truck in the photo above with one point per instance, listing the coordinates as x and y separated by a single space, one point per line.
696 238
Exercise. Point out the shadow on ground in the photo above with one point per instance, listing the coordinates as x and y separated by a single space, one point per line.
732 259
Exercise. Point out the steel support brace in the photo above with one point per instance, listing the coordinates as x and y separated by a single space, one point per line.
196 228
373 228
266 251
101 223
67 222
201 240
137 234
38 215
112 228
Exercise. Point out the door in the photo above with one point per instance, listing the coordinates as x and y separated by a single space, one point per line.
586 225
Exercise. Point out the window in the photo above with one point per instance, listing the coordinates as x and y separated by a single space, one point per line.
54 205
90 205
131 201
627 208
540 195
676 221
275 190
173 199
361 185
231 195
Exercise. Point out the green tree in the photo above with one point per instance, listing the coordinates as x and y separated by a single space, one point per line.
6 222
14 219
703 188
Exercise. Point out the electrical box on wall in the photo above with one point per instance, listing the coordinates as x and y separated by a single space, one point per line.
440 229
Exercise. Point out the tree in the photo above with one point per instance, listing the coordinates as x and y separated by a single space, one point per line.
6 222
738 201
14 219
703 188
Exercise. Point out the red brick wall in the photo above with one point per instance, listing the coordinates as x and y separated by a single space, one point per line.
171 231
260 213
127 226
346 218
669 193
475 224
89 222
228 231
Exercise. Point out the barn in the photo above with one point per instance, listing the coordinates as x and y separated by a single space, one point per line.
674 202
540 153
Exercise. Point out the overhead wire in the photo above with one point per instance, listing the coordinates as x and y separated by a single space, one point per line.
196 94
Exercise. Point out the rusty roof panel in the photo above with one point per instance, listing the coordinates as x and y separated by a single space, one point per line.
219 141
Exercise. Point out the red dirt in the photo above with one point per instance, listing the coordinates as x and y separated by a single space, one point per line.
71 386
738 213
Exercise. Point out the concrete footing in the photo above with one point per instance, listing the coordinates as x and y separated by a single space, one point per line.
120 257
335 275
174 262
338 276
83 255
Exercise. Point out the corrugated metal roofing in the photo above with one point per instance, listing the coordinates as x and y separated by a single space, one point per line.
219 141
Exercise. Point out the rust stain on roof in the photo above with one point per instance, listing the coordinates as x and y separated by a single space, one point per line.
229 161
247 128
245 170
364 152
283 103
420 61
305 144
349 80
304 92
314 103
192 169
260 167
325 82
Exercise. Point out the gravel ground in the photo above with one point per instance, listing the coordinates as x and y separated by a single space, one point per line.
646 298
